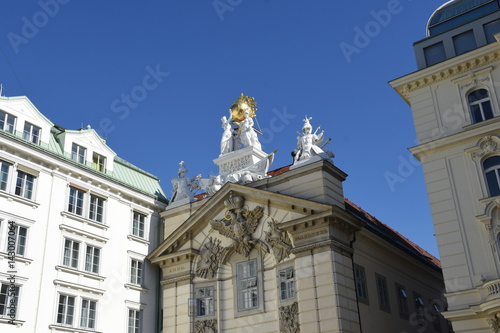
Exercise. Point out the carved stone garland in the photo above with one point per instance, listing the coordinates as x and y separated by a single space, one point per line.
205 326
289 318
210 256
279 241
239 223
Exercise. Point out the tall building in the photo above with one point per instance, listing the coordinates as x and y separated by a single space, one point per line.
455 105
76 223
285 251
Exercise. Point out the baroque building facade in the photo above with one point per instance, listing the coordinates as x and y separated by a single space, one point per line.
284 251
455 102
76 224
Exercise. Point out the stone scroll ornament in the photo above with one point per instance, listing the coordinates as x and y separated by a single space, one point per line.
210 256
278 240
239 223
205 326
289 318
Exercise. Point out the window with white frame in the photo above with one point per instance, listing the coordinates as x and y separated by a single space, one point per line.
96 209
4 174
402 300
491 167
134 321
78 153
88 313
360 279
383 293
480 105
32 133
98 162
136 272
92 259
66 310
75 202
7 122
247 285
24 185
287 283
71 253
9 298
20 235
138 224
204 301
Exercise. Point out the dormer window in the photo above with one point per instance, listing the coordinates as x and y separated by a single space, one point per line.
480 105
78 153
7 122
32 133
98 162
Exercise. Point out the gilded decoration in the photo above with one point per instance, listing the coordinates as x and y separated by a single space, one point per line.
242 104
205 326
279 241
289 318
210 256
239 223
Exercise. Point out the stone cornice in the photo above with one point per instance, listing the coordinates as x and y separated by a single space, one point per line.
177 279
445 70
333 244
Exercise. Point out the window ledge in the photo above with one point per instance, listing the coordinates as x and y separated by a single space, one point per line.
85 220
136 287
7 320
72 329
80 273
17 258
12 197
138 239
481 123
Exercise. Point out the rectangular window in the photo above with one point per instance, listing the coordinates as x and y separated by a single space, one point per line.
20 235
136 272
87 317
248 296
464 42
434 54
134 321
78 153
138 224
71 250
31 133
205 301
65 310
96 208
7 122
75 204
24 185
92 255
402 301
4 175
287 284
490 30
98 162
383 293
9 298
360 278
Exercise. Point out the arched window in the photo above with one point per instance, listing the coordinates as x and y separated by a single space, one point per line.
491 167
480 105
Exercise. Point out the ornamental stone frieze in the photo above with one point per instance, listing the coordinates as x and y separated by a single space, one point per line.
205 326
289 318
279 241
210 256
487 145
239 223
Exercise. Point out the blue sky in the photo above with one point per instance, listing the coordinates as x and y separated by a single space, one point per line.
155 77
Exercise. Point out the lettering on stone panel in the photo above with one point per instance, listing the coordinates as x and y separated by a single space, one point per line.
311 234
177 269
239 224
205 326
289 318
279 241
210 256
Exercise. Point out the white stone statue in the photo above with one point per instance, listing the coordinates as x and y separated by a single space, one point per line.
310 144
247 134
184 186
226 142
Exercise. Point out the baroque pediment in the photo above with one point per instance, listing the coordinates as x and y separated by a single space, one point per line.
236 219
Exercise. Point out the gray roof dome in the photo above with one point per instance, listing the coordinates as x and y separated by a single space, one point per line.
457 12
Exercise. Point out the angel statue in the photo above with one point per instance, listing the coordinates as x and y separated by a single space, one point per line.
184 186
310 144
239 223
